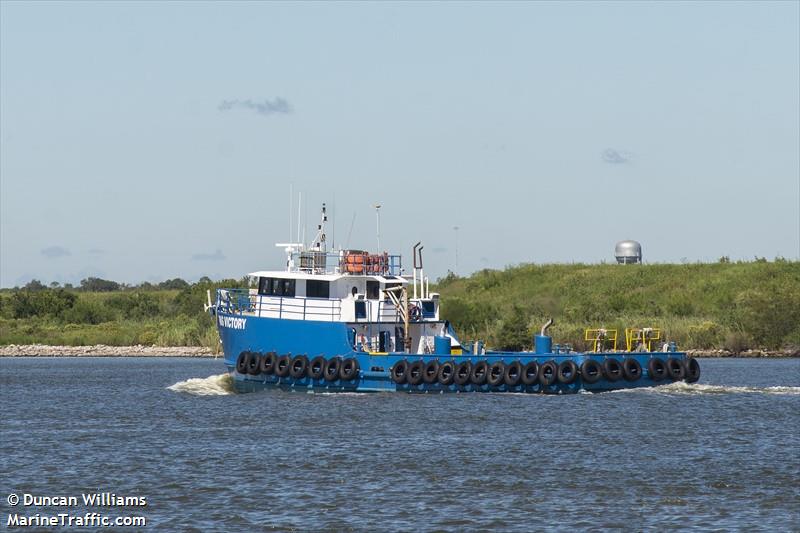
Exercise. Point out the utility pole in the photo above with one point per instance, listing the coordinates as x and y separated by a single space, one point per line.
378 219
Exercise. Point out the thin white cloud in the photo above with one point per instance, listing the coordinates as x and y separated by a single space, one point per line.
54 252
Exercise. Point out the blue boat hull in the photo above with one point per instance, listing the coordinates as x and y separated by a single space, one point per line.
330 339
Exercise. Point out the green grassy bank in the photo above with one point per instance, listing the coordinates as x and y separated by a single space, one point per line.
737 306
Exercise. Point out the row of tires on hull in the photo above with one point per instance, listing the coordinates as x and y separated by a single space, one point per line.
297 367
532 373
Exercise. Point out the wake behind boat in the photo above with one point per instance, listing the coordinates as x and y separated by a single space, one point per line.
350 320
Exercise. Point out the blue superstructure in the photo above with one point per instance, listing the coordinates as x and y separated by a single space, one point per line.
345 321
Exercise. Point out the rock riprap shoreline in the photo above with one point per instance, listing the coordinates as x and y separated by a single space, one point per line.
102 350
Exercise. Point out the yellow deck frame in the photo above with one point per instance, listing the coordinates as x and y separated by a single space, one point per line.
646 336
600 337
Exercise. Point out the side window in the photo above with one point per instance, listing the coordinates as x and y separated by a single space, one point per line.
361 309
264 286
373 289
277 287
288 287
318 289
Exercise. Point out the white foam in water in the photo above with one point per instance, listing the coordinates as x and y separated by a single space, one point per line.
218 385
680 387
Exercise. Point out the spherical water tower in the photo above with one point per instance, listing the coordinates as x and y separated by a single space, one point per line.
628 252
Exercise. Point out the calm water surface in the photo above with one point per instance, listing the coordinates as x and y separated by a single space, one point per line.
718 455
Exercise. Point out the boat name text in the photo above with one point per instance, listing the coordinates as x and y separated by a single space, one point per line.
231 322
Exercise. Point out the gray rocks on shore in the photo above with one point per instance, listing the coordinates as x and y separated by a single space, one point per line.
102 350
748 353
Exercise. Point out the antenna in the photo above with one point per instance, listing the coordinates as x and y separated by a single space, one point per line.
305 221
291 197
349 233
378 217
299 205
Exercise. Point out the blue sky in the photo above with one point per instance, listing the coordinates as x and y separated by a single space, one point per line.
144 141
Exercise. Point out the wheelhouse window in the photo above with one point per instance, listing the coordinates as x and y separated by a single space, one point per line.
318 289
264 286
276 287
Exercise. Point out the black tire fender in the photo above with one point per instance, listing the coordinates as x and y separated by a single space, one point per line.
283 365
463 373
298 367
415 372
478 374
530 373
399 371
267 365
612 369
675 369
349 369
431 372
548 372
241 362
494 376
591 371
567 372
316 368
513 374
656 369
447 372
631 369
253 364
331 372
692 369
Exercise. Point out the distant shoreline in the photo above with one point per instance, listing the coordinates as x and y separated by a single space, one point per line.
102 350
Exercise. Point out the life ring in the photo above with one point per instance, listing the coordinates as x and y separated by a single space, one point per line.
446 373
567 372
415 372
431 372
530 373
548 373
253 364
267 365
241 362
496 372
656 369
478 374
512 374
414 313
675 369
591 371
316 368
612 369
283 366
463 373
631 369
400 371
331 372
348 371
298 367
692 370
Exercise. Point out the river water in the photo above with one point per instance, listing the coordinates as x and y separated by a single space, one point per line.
721 454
